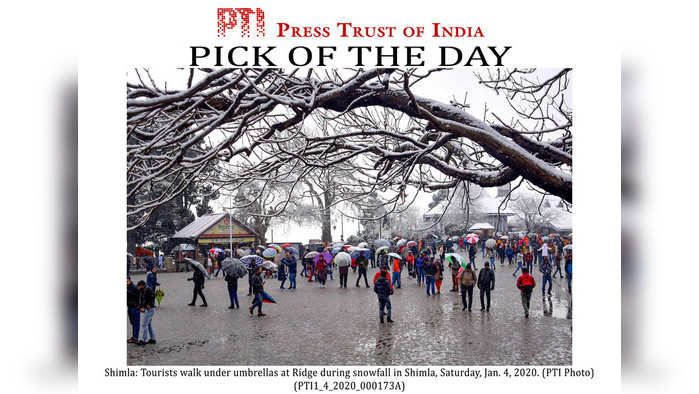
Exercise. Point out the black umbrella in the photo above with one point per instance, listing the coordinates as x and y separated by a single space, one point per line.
234 267
198 266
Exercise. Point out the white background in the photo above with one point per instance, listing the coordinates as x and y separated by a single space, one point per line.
589 37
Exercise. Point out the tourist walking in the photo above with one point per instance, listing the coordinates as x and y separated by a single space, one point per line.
545 269
257 290
486 284
383 289
525 284
289 261
362 265
198 278
467 281
232 285
430 269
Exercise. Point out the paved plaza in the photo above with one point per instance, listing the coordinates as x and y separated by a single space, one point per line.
333 326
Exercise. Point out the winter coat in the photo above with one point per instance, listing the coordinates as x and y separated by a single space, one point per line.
509 252
290 263
468 277
545 268
486 279
232 282
430 268
132 296
526 283
152 280
281 272
322 269
420 262
382 286
198 277
257 284
146 298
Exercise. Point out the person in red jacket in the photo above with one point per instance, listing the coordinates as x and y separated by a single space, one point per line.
525 284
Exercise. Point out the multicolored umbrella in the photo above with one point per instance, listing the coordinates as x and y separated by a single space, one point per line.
159 294
343 259
410 244
253 258
456 257
268 298
326 256
381 249
278 248
472 238
270 252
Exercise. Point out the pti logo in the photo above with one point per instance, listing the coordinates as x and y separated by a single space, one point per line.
230 18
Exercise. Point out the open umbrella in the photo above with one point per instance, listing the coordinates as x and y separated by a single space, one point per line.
276 247
285 245
343 259
269 252
481 226
269 265
363 245
410 244
456 257
335 251
394 255
568 247
268 298
253 258
293 250
381 249
505 237
234 267
326 256
310 255
198 266
336 245
382 242
490 243
455 238
401 242
472 238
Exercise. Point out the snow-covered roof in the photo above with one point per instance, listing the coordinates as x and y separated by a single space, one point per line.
482 226
489 205
198 227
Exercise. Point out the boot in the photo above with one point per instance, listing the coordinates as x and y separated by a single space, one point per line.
260 314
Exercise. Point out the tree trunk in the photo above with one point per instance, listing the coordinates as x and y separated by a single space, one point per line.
326 235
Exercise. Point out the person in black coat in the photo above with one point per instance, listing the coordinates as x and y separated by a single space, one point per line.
132 307
257 288
486 283
146 303
198 279
383 289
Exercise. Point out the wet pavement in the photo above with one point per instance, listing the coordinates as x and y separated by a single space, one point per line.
333 326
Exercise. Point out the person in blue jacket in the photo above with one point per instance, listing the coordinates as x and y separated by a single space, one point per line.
152 278
289 260
419 266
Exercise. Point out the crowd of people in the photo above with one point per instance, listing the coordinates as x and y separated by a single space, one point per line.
427 262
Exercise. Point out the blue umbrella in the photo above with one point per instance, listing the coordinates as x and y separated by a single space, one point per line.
293 250
269 252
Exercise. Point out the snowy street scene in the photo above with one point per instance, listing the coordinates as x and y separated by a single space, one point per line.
349 216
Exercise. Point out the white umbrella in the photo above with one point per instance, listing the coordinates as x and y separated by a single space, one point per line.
269 265
269 252
401 242
343 259
310 255
490 243
382 242
394 255
504 237
568 247
363 245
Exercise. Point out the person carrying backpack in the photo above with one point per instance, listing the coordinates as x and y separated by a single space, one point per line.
467 279
383 289
526 284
